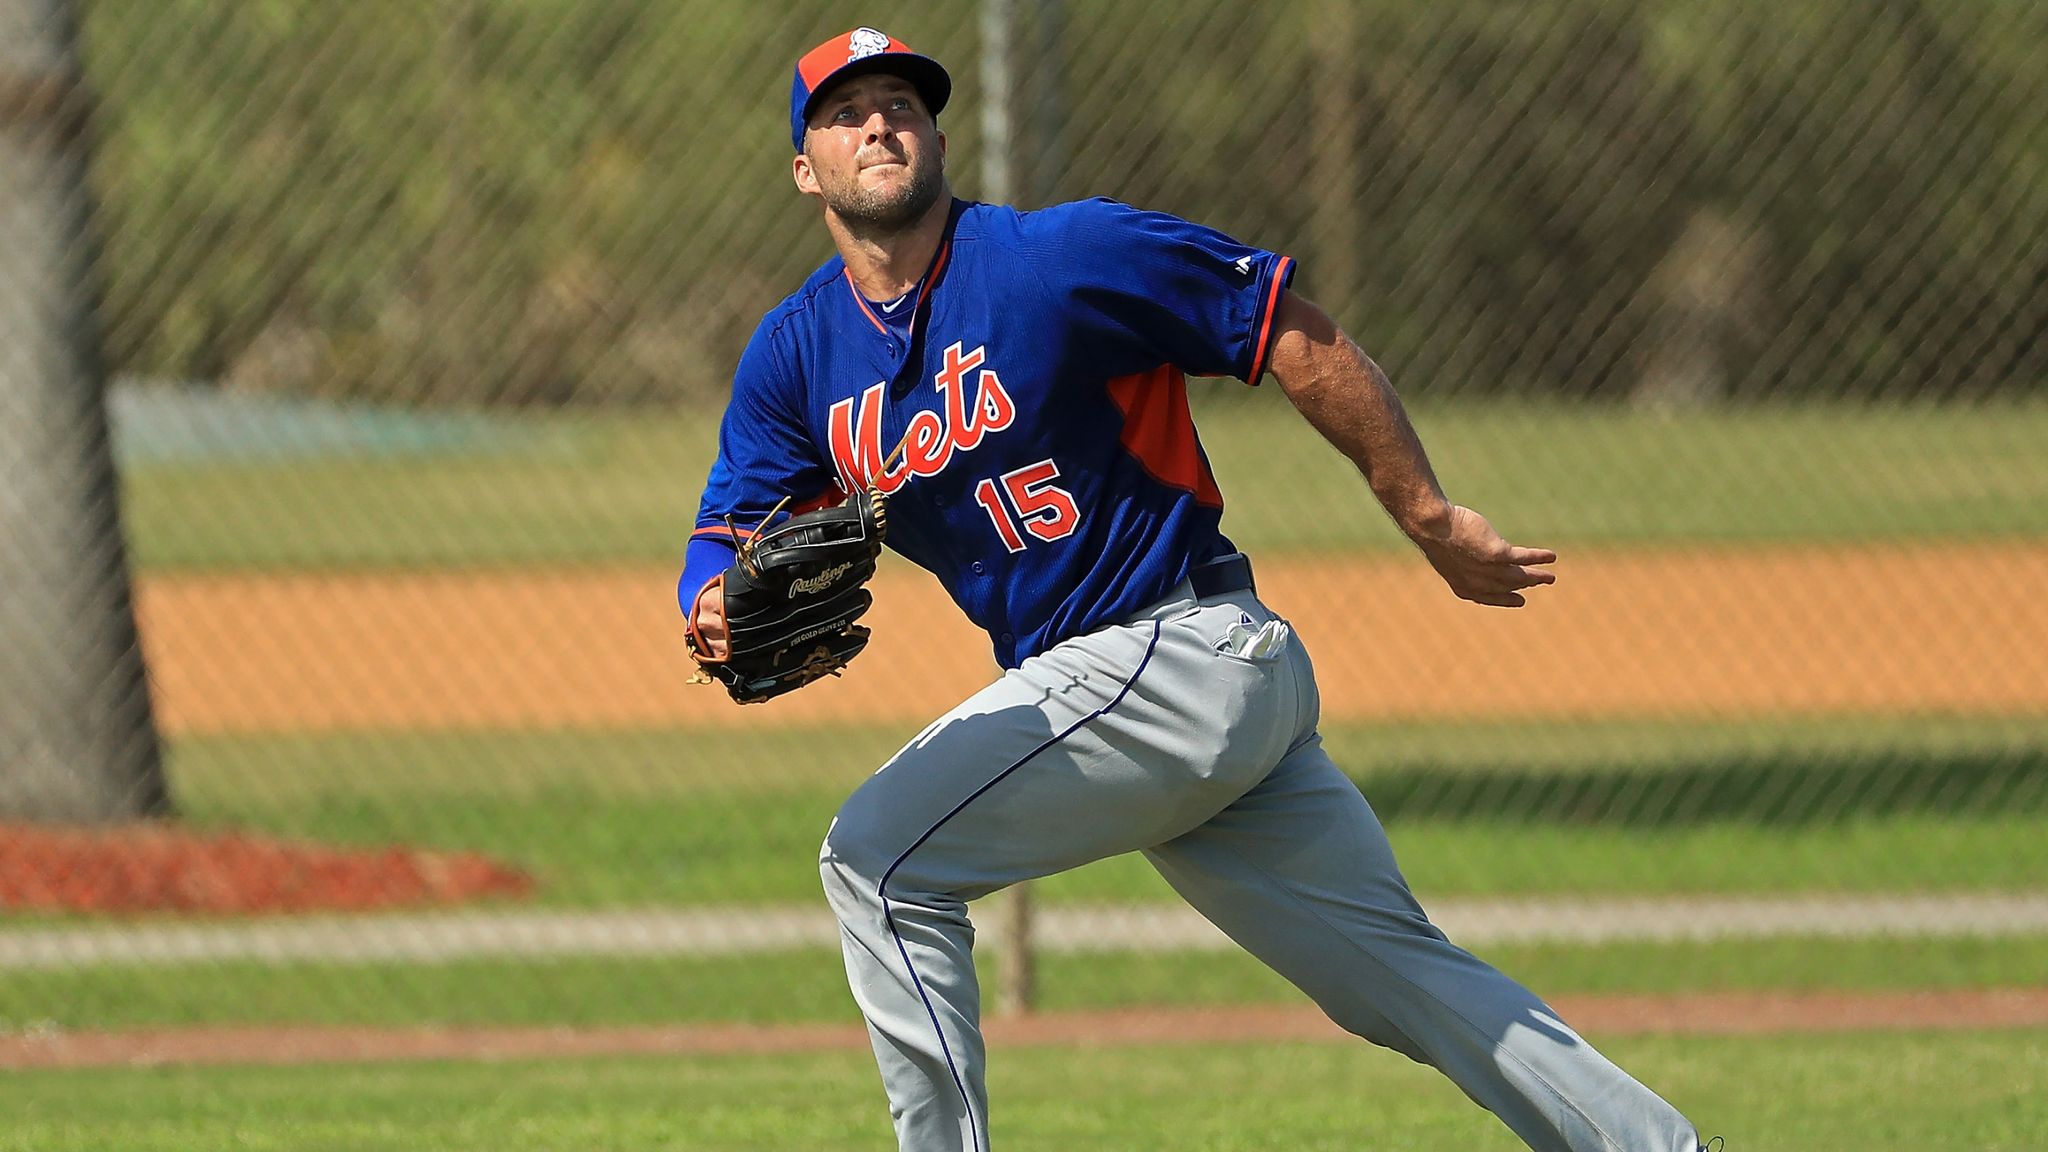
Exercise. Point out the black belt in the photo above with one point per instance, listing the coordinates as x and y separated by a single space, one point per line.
1220 577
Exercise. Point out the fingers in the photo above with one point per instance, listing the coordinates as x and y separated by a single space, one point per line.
1521 566
1498 585
1499 599
1510 577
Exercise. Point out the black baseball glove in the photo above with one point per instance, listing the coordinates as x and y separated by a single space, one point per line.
791 599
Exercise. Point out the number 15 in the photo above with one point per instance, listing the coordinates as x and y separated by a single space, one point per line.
1046 511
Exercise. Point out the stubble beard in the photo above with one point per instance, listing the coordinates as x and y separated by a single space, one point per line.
890 210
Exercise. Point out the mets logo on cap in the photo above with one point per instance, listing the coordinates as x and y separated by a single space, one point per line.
865 42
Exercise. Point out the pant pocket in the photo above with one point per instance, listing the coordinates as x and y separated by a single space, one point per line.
1253 643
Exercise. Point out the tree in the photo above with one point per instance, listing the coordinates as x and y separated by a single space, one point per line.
77 741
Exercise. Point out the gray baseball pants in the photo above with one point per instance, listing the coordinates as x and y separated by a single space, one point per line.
1145 736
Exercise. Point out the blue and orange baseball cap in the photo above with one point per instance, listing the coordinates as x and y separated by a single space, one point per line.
858 53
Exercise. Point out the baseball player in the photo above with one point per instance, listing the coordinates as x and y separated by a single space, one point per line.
1013 385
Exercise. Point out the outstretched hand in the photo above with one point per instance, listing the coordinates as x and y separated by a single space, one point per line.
1480 566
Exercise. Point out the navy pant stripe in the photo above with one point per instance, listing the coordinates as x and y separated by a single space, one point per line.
882 890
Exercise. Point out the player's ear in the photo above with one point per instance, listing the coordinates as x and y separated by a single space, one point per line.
806 178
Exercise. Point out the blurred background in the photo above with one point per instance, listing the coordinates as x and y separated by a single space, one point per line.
401 329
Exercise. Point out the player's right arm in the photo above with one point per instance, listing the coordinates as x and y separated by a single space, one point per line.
1350 401
765 454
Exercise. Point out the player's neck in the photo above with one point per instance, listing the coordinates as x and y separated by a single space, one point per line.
886 264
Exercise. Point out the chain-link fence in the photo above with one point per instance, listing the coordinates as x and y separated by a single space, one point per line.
412 323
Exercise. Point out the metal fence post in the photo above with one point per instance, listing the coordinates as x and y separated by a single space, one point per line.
1017 986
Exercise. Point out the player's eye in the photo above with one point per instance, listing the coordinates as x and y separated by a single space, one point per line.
899 104
845 114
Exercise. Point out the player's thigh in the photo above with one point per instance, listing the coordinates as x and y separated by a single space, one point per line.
1300 851
1073 757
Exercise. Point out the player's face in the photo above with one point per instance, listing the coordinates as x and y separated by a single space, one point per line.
873 153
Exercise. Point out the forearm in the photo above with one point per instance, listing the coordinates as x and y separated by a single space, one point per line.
1350 401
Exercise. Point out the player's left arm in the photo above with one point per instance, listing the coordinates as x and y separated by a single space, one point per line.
1350 401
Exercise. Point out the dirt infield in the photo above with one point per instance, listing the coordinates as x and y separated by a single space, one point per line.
1694 632
1731 1013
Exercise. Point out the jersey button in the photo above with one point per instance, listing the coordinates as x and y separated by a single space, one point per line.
1007 638
978 567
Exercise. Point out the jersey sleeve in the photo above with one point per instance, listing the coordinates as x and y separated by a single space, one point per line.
706 557
765 453
1181 293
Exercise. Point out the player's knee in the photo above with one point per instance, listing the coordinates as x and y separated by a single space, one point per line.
1395 1040
848 864
863 839
1374 1028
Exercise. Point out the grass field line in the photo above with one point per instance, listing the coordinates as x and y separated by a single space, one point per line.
1604 1016
454 936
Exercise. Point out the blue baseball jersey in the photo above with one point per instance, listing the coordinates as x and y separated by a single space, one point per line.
1030 424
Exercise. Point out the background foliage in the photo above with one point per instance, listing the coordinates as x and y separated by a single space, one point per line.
540 201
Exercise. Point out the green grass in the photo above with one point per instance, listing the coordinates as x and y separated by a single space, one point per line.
1957 1092
810 986
616 488
425 767
587 851
1857 804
